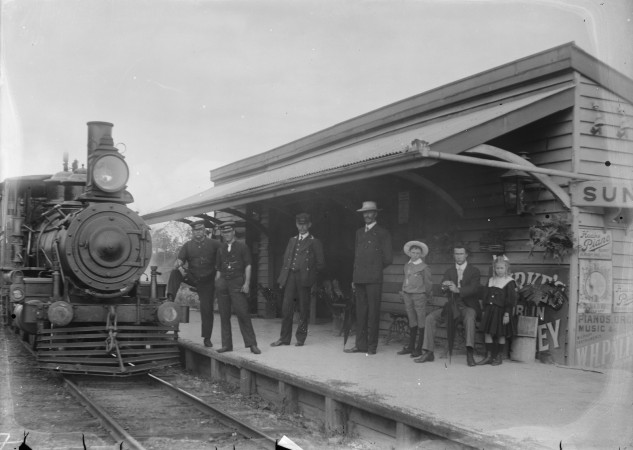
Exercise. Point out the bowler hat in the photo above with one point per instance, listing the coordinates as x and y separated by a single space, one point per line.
421 245
303 218
227 226
368 206
197 222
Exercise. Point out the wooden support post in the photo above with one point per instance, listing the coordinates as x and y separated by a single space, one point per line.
189 360
335 416
406 436
247 382
216 370
288 398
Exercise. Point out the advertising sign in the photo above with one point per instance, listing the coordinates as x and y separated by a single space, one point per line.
622 297
595 244
605 340
602 193
543 294
595 293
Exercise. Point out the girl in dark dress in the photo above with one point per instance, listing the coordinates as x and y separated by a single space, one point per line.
500 296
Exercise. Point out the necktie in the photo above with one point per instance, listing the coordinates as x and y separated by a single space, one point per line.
460 274
366 229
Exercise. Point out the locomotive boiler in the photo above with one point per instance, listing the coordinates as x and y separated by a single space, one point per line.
73 257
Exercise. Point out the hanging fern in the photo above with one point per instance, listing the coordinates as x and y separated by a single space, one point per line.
554 236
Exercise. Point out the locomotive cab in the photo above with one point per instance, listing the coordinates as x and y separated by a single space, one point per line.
72 256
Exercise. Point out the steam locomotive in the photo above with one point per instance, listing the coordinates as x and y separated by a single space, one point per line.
72 257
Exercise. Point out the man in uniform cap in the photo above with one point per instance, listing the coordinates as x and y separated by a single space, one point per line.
233 281
199 256
303 258
372 254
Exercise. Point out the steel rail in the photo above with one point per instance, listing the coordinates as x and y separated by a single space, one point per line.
113 427
224 417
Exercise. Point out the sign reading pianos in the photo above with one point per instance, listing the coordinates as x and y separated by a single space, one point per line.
602 193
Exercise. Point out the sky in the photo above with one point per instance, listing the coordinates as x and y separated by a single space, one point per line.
193 85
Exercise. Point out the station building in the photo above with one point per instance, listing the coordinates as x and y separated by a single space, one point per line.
532 159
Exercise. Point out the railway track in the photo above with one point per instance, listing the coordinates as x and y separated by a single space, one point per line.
148 412
142 412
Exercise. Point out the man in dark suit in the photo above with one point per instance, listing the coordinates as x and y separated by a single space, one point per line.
372 254
462 280
303 259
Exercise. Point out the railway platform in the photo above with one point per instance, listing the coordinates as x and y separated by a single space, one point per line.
391 401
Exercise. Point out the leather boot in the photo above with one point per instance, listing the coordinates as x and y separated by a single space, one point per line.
418 347
498 355
470 360
413 332
488 358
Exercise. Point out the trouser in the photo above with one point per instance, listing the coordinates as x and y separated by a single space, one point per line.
206 291
302 294
230 298
367 315
415 306
467 316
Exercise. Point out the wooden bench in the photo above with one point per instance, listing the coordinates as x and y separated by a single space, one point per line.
396 323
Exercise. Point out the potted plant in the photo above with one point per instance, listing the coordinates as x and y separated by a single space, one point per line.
554 236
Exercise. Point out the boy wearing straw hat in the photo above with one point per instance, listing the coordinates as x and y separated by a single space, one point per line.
417 288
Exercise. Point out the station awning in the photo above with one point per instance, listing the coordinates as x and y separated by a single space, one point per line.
386 153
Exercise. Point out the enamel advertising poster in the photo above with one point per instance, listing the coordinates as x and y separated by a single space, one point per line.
595 286
543 294
595 244
622 298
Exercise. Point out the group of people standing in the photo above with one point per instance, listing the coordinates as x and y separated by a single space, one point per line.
220 268
226 269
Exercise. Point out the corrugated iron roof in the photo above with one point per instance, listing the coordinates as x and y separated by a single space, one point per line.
389 145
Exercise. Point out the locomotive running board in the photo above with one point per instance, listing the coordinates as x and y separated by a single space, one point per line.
132 350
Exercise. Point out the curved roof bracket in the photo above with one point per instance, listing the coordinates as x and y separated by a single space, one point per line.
247 219
505 155
430 186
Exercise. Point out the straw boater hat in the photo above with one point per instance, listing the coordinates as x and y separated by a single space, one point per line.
422 245
368 206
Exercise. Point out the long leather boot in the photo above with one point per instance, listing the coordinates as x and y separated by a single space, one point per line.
470 360
488 357
418 347
498 355
413 332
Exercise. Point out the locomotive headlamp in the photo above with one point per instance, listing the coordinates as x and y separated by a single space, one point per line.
110 173
168 314
17 294
60 313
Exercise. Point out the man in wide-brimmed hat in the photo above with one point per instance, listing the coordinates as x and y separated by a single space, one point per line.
372 254
417 289
198 256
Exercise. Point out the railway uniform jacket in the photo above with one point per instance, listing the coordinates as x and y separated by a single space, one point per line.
373 253
470 289
308 259
200 257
